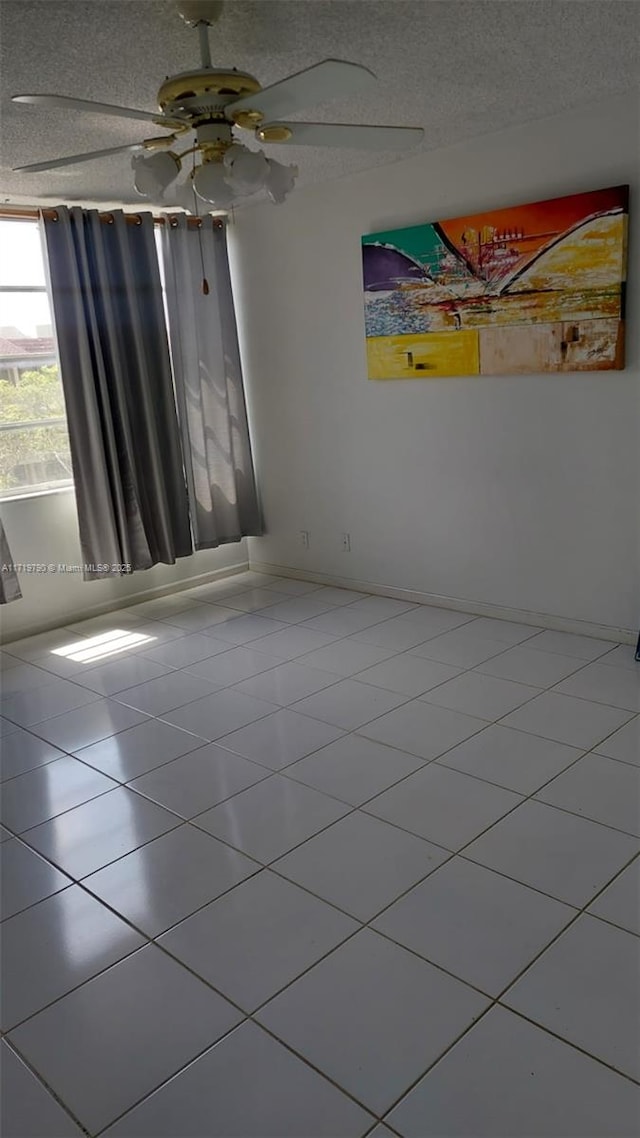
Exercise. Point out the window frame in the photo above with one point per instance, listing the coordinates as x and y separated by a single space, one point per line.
12 494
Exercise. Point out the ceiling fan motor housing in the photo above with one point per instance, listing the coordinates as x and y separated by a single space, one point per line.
203 95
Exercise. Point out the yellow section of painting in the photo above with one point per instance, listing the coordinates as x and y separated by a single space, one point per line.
589 258
425 356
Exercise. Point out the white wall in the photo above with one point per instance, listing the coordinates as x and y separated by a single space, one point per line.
44 530
519 492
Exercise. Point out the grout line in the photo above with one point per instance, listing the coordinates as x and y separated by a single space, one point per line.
43 1082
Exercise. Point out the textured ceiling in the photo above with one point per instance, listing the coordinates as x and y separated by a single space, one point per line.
455 67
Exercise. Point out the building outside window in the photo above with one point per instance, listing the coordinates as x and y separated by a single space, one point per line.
34 443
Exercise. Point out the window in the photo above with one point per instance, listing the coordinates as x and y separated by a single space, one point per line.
34 444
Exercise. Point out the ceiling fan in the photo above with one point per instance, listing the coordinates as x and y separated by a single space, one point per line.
211 103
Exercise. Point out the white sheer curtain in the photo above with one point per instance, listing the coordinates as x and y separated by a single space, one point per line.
208 381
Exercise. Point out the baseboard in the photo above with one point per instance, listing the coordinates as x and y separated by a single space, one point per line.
127 602
474 608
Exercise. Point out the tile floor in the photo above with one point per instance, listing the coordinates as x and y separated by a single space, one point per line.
287 861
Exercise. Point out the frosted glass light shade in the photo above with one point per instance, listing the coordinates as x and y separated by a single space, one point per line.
246 170
153 173
280 180
210 185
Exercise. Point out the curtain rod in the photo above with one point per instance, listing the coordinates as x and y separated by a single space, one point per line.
131 218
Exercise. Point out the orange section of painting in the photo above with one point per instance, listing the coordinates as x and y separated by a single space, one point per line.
431 355
545 219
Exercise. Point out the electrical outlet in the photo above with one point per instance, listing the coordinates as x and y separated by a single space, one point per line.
346 543
305 538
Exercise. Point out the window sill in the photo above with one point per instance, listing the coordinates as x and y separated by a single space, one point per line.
27 495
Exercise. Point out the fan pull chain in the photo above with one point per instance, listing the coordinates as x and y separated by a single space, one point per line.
205 282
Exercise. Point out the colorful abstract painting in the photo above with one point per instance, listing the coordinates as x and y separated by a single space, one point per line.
534 288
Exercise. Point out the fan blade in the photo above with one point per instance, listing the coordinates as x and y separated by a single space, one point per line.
328 80
66 102
341 134
72 159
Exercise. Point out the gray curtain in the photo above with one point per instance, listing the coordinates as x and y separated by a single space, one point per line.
116 374
208 380
9 587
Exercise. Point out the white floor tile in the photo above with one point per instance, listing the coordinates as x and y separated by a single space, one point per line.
346 657
620 902
287 683
484 696
243 629
49 790
567 720
617 687
407 674
552 1089
27 1107
232 666
288 1098
623 656
165 693
199 616
344 621
353 768
139 749
219 714
258 938
623 744
251 600
165 881
384 607
26 878
54 947
527 666
443 806
44 642
568 644
504 630
480 926
199 780
581 989
291 642
280 739
296 609
98 832
601 789
423 729
271 818
360 864
349 704
186 650
563 855
338 597
398 633
21 752
143 1039
22 678
512 759
87 725
372 1016
31 707
107 679
459 648
290 586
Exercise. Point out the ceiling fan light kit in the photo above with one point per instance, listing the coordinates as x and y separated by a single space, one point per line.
211 104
